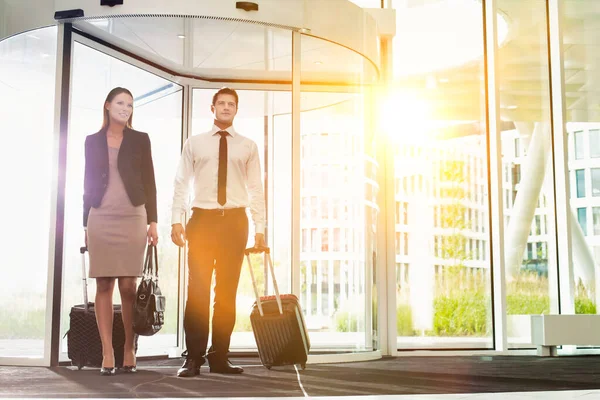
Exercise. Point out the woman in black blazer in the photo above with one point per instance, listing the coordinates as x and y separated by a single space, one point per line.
119 216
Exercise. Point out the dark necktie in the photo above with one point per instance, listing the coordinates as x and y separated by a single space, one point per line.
222 187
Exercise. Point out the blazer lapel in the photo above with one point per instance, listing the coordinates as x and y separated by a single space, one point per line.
103 150
125 145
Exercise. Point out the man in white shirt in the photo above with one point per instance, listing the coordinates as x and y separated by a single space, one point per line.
225 169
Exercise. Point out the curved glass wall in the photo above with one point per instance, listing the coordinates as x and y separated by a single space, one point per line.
206 48
527 176
27 85
265 117
157 111
338 192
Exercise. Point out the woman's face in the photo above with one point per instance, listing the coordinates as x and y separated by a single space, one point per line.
120 108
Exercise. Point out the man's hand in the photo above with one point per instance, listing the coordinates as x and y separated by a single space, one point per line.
178 234
259 241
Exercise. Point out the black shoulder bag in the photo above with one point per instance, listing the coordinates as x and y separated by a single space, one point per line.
149 308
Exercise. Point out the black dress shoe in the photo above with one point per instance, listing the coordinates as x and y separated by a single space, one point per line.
105 371
189 368
225 367
129 369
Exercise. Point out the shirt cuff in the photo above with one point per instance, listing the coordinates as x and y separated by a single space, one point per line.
176 218
259 228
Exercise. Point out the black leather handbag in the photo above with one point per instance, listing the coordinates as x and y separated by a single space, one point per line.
149 309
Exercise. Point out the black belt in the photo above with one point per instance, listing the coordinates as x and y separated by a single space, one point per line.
221 212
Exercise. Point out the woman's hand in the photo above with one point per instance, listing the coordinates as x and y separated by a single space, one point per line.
153 234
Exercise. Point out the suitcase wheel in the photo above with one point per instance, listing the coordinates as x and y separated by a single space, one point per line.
303 366
268 366
79 362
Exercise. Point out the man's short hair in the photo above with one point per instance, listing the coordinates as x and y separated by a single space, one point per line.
225 90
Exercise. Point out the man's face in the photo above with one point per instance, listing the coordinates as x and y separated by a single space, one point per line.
224 108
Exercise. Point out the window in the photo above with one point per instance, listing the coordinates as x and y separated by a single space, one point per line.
305 245
596 220
582 218
516 174
325 240
579 145
539 250
594 143
313 207
580 182
337 239
595 182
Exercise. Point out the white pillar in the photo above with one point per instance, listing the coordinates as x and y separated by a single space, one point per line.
523 211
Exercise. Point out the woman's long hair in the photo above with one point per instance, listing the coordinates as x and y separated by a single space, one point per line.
109 98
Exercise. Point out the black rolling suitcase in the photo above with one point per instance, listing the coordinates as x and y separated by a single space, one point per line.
83 339
278 324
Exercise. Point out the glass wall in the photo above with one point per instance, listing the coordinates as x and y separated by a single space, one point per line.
435 117
338 193
581 66
527 175
27 87
157 111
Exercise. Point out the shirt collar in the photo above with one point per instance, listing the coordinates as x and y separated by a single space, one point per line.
229 130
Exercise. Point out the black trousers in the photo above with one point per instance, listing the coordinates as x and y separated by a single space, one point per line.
216 242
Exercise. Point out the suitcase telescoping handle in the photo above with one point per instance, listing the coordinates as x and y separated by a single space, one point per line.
82 250
267 252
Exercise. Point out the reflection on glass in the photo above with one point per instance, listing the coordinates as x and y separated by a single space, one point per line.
327 63
264 117
157 111
530 253
436 117
583 130
27 81
338 211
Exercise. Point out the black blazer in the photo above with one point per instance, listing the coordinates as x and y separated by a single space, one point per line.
135 167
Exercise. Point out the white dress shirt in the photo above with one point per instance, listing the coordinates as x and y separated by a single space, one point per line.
200 161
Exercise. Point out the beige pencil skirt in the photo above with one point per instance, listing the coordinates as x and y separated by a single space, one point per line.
116 244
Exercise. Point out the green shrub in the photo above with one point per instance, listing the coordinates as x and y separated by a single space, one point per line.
463 313
23 324
584 305
404 321
524 303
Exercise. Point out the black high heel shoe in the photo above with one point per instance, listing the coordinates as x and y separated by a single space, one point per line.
106 371
129 369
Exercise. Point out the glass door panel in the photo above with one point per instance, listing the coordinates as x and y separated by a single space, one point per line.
157 111
264 117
